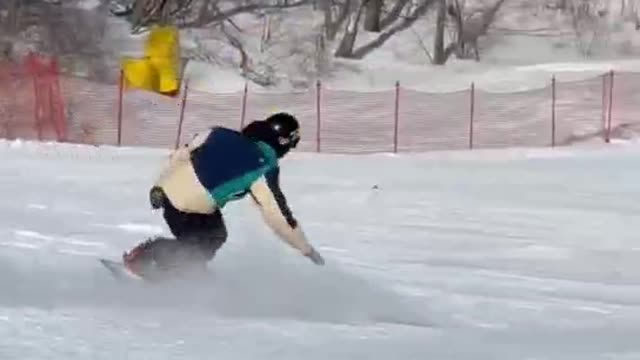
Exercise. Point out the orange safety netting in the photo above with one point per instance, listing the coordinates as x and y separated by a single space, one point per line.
37 103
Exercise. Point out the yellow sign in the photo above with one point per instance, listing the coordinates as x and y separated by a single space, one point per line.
159 70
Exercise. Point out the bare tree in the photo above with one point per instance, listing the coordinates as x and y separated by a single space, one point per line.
393 23
629 10
246 65
193 13
71 34
11 8
439 56
587 20
345 49
335 14
372 15
142 13
395 13
469 29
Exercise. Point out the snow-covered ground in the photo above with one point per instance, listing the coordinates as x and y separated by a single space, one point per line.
496 254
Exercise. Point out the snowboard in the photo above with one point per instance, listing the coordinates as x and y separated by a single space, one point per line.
119 271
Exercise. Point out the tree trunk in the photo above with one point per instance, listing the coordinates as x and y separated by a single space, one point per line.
330 31
438 51
13 15
372 15
139 10
332 25
562 4
345 49
407 21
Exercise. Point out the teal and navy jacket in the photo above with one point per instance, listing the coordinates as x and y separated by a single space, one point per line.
227 163
223 165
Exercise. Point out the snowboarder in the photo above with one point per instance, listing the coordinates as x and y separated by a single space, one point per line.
216 167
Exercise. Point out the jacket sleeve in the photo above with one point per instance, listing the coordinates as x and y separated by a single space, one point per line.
268 196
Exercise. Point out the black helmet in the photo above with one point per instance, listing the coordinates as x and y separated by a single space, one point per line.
281 131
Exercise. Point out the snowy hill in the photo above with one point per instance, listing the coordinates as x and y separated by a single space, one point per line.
487 254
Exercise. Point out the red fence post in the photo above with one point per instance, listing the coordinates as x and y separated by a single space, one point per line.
33 69
608 131
120 100
57 104
182 107
38 106
244 105
553 111
472 105
604 104
396 118
318 90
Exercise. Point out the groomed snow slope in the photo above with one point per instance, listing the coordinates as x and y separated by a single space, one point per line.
470 255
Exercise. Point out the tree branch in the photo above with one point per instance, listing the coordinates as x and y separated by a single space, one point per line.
206 19
345 49
394 14
422 9
331 26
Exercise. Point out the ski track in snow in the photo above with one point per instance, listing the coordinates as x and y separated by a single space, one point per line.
491 254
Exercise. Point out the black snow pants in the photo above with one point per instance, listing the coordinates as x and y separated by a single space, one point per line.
197 238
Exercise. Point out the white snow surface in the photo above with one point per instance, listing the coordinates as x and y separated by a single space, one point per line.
496 254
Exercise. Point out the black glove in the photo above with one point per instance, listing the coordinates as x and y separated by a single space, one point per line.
157 197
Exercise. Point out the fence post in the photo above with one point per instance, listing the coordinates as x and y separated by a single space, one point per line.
38 107
553 111
472 105
396 118
318 120
120 105
34 70
244 104
182 107
60 122
608 131
604 104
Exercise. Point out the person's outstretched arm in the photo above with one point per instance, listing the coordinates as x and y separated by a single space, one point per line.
272 203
